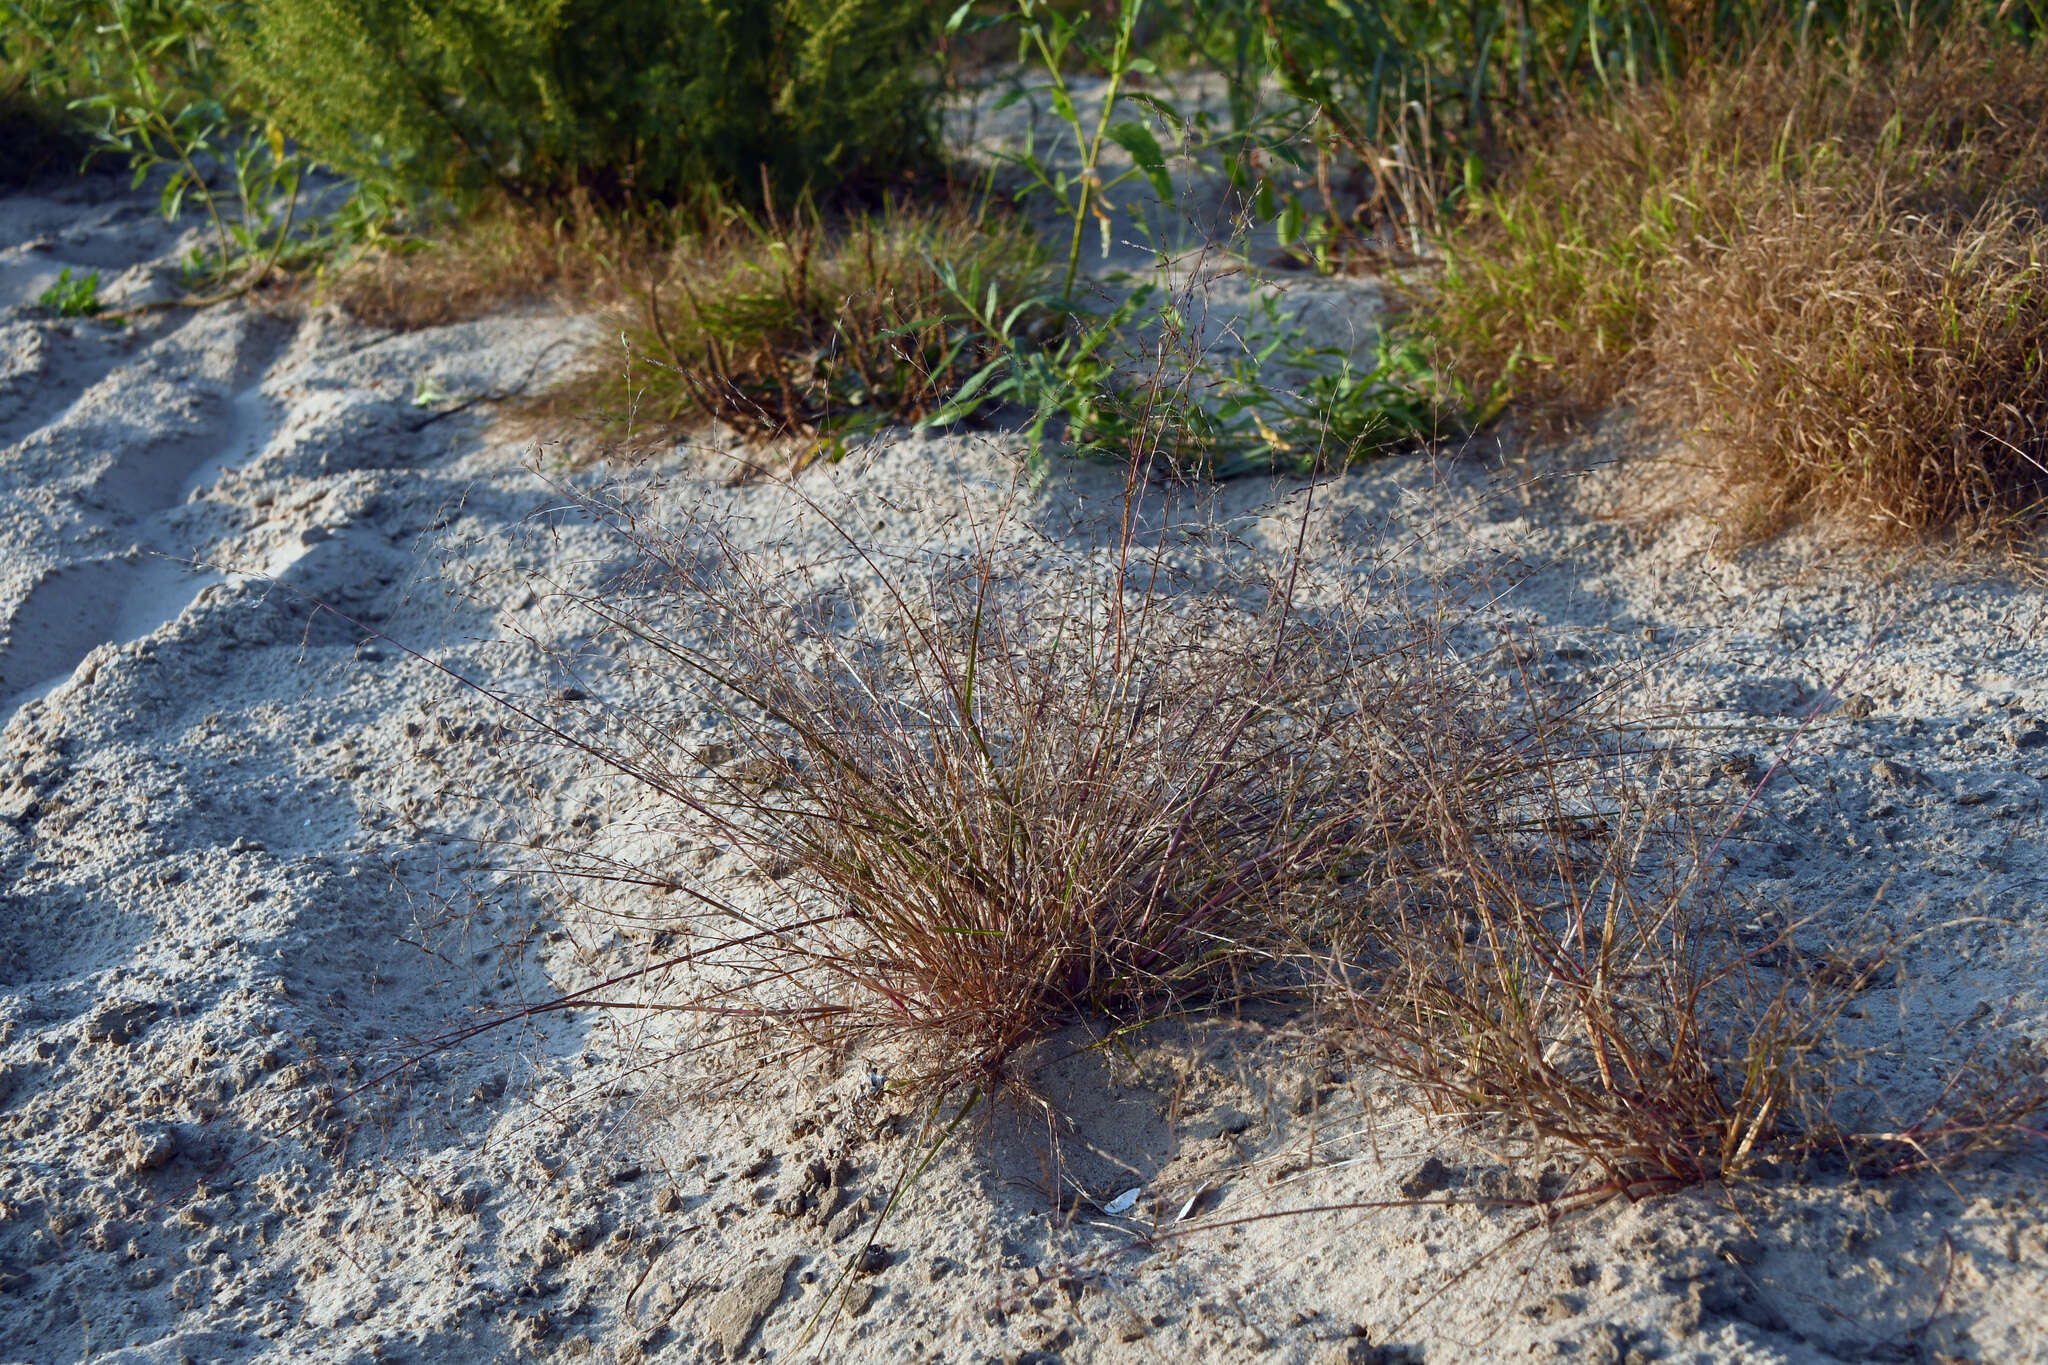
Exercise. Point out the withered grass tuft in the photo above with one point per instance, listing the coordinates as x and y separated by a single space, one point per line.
1026 783
970 793
504 254
1834 274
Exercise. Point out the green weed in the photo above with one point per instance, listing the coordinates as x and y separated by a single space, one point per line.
629 101
72 298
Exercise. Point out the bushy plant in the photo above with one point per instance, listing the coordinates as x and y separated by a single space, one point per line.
1402 104
785 323
150 82
1834 274
648 99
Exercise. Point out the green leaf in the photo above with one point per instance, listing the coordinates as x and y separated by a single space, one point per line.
917 326
1135 138
1167 113
1290 220
964 402
959 17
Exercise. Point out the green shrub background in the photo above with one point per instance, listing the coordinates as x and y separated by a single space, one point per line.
627 99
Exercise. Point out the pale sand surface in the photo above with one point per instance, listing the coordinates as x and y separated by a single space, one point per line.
236 881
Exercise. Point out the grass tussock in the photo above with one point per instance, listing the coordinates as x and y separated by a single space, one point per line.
1834 273
1027 786
976 796
1897 371
505 254
790 324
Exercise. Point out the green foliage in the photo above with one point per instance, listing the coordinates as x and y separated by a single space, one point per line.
151 83
1054 41
1131 381
1404 104
789 324
627 99
1128 377
65 50
72 298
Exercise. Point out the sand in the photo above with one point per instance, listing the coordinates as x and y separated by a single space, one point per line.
246 886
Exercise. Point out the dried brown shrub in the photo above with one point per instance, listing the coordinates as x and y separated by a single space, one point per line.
1833 273
1890 370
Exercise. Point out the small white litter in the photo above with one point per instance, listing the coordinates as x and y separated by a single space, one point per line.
1123 1202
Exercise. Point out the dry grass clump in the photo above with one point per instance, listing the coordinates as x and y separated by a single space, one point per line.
1597 1007
1586 998
982 793
1895 370
979 794
1834 273
505 253
1002 791
787 324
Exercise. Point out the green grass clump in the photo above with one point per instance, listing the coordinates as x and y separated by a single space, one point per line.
1834 274
783 324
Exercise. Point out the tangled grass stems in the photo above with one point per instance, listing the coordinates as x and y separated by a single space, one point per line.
989 789
1022 784
1832 273
1589 993
503 253
780 323
1025 784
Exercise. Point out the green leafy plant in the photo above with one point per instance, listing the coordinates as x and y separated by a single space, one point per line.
628 100
1134 381
151 82
1126 375
1054 41
1068 376
72 298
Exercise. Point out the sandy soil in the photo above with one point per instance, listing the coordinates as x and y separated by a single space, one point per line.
241 879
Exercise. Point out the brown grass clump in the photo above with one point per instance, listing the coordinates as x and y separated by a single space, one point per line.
971 793
1590 999
505 253
1600 1008
1000 793
1834 274
1892 370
